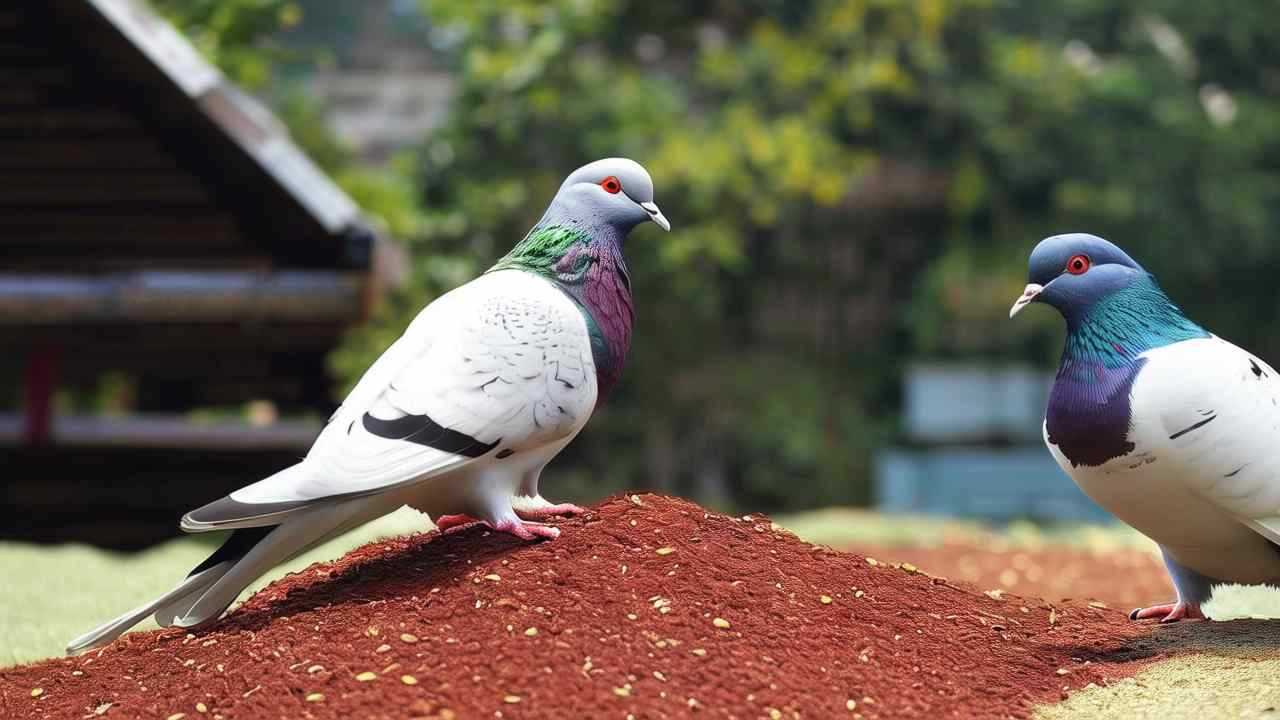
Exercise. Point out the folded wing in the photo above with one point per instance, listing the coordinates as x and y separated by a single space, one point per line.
1219 419
497 367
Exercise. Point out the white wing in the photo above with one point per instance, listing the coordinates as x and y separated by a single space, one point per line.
1217 412
499 366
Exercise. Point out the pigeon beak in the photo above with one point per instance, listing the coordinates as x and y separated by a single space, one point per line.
1025 299
656 215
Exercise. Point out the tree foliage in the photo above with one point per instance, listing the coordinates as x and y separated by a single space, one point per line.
853 184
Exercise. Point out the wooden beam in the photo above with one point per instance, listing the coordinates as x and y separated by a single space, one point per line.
164 431
181 297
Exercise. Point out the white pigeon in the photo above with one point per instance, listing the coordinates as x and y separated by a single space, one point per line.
1170 428
459 416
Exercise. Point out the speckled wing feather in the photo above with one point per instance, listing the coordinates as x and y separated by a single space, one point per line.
500 365
1210 413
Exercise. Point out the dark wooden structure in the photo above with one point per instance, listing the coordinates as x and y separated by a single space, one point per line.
155 221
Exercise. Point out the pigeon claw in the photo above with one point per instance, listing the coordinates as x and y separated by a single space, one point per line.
449 524
1168 612
526 530
543 512
523 529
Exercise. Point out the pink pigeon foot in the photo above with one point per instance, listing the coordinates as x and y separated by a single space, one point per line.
448 524
1168 612
547 511
525 530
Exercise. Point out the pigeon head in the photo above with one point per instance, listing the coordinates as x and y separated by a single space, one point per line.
1073 272
613 191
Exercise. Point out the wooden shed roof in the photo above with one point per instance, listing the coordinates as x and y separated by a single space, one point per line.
157 220
120 145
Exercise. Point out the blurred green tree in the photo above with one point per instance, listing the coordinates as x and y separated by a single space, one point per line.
853 184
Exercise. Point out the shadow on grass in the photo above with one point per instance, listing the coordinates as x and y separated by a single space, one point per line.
1242 639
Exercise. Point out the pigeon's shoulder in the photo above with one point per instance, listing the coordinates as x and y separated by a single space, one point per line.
1188 380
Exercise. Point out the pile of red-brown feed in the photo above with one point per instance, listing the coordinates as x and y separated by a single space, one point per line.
646 607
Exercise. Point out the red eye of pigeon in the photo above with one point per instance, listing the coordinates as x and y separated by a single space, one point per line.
611 185
1078 264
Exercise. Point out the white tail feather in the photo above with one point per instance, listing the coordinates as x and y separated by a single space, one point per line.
290 539
105 633
202 598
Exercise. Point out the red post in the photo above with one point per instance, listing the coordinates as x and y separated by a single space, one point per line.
40 382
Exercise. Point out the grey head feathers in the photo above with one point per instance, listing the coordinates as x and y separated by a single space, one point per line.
614 191
1071 272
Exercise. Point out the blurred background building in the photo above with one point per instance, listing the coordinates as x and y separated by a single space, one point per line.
167 248
972 446
190 281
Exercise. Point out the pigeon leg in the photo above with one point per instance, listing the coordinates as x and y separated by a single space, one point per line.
1193 590
536 507
530 505
492 507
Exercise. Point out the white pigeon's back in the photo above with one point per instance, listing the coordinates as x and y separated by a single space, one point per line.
1212 411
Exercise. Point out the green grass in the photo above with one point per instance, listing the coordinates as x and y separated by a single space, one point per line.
52 594
849 527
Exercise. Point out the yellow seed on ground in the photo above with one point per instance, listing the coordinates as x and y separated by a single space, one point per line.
315 669
383 648
37 692
1053 616
315 697
408 680
872 562
622 691
909 567
177 716
1063 671
102 709
825 599
201 707
511 699
775 714
699 652
366 676
493 577
665 550
720 623
850 705
531 631
408 637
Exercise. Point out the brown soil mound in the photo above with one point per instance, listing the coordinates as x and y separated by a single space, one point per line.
1052 573
647 607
